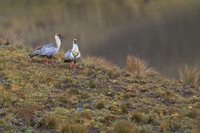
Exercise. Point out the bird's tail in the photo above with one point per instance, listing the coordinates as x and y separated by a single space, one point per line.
35 53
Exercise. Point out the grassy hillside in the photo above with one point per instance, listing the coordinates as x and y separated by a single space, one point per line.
95 97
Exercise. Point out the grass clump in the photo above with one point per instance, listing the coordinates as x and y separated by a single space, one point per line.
190 75
7 99
100 104
123 126
91 84
50 122
137 66
9 38
87 114
72 128
124 108
101 62
139 117
164 126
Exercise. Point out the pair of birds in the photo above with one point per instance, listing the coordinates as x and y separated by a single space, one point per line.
50 50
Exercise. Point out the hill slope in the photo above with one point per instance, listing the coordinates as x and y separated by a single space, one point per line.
95 97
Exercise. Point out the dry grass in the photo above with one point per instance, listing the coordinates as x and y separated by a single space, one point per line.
123 127
68 128
101 62
10 38
190 75
164 126
137 66
196 128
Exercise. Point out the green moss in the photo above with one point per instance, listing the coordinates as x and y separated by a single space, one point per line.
91 84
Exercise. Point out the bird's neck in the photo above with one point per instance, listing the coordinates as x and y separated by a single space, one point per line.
75 47
58 42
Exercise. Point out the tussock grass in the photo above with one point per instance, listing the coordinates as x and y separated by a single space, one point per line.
164 126
7 99
10 38
137 66
123 126
101 62
100 104
70 128
190 75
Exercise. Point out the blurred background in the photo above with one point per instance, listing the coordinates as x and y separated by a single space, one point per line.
164 32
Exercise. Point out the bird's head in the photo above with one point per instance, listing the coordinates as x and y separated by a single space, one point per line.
57 35
75 41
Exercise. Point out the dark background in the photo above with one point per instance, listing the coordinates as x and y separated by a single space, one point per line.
164 32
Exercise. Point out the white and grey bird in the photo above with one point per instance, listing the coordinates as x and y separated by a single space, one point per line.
73 55
49 50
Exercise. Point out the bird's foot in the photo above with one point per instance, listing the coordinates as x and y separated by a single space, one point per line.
71 66
53 63
46 62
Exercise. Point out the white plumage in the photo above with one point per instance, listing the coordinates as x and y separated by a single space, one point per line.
74 54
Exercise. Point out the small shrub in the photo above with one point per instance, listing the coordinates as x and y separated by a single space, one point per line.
146 129
86 114
192 114
7 99
10 38
137 66
137 117
164 126
27 112
142 117
92 84
69 79
100 104
78 129
190 75
124 107
65 128
49 122
85 95
123 127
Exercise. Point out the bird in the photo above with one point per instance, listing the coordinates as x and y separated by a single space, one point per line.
49 50
73 55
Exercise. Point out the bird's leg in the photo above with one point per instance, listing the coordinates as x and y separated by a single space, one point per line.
46 61
74 64
52 61
70 65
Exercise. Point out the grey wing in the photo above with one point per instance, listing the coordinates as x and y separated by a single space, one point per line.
68 55
49 50
46 50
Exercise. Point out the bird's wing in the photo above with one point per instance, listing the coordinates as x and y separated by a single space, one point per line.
45 50
49 50
68 55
